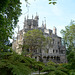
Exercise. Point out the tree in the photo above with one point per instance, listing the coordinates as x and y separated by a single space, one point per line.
3 4
70 67
48 43
39 66
10 11
14 64
33 40
54 69
69 37
71 59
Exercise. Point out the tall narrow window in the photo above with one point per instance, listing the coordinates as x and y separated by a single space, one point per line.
56 51
53 50
58 43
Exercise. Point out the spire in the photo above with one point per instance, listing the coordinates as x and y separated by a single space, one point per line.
32 21
18 28
36 17
42 23
36 14
45 23
24 20
27 16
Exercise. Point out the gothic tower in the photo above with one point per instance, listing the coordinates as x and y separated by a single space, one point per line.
31 23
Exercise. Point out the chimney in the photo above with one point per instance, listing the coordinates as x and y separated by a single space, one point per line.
45 23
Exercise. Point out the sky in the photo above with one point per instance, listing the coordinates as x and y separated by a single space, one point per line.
59 15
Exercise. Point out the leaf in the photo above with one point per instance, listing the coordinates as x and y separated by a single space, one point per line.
50 2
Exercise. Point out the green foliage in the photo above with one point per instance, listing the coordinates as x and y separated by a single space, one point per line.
69 36
72 72
10 11
52 2
39 65
48 42
13 64
55 69
34 39
10 62
70 67
71 59
3 4
51 63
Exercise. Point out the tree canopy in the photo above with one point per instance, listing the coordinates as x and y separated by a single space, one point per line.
69 36
54 69
14 64
10 11
34 39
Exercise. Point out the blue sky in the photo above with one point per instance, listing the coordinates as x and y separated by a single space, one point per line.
58 15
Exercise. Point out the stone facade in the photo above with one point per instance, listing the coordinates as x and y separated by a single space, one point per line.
55 51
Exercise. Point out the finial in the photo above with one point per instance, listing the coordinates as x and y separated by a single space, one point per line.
36 13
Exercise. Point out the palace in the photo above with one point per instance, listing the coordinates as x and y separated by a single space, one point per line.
56 52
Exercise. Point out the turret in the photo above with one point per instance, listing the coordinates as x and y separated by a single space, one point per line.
42 24
45 23
36 17
32 22
55 30
25 23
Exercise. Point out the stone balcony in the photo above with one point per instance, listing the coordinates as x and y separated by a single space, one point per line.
51 54
46 54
